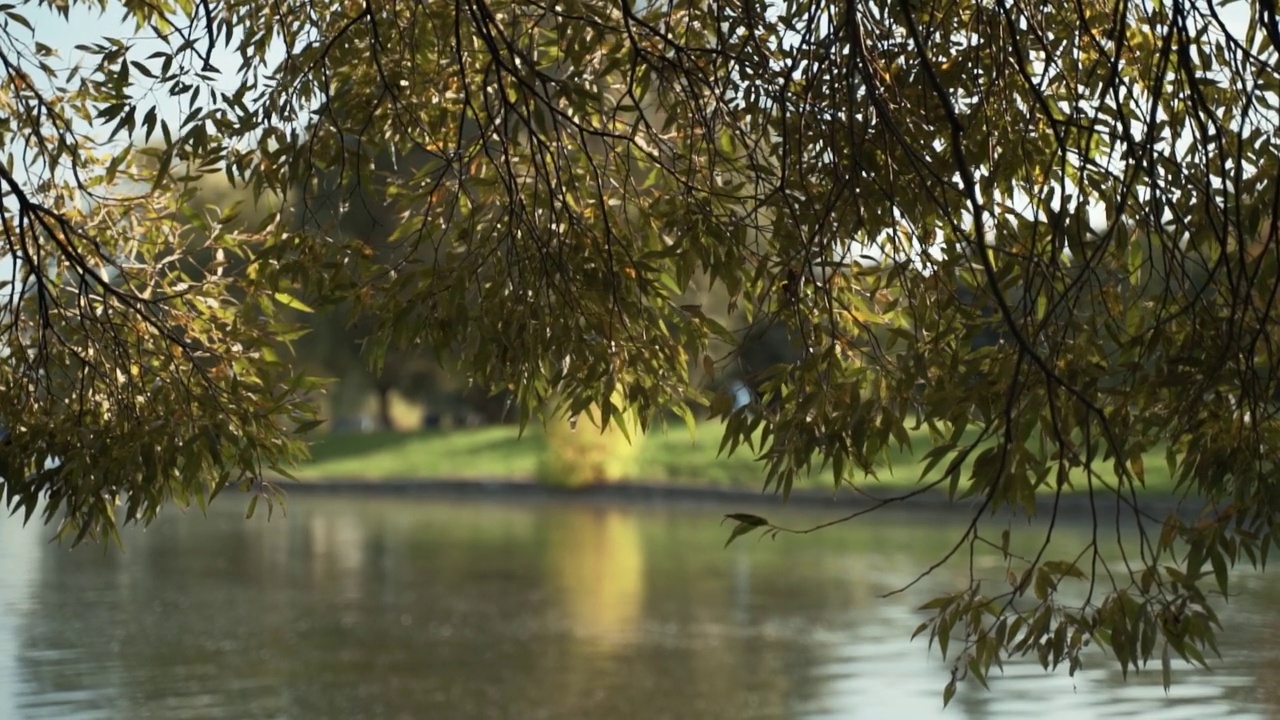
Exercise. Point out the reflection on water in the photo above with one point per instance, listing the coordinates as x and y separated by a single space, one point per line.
596 560
393 609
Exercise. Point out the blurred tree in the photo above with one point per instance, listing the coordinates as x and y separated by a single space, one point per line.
362 212
884 185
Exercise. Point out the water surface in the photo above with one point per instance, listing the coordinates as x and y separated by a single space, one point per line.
395 608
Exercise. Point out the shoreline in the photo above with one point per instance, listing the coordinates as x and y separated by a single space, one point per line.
1074 504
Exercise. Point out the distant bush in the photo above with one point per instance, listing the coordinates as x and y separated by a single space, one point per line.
583 455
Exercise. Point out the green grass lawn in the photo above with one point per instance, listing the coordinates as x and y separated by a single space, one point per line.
671 456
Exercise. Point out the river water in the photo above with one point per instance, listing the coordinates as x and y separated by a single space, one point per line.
396 608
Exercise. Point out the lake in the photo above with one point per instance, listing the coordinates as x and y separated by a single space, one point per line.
405 608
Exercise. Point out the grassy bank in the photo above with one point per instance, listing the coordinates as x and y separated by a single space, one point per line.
665 457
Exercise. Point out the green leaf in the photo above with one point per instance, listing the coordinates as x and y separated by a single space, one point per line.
290 301
747 519
745 524
1220 572
305 427
1166 668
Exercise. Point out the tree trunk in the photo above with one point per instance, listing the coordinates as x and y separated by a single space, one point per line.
384 407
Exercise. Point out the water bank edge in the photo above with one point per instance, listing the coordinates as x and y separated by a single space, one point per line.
1084 505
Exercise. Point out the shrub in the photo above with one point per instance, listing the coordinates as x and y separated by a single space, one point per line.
583 455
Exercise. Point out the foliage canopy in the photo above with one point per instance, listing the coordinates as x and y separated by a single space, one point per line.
1093 182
